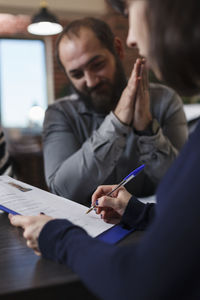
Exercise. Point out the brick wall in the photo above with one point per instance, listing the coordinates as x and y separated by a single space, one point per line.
60 80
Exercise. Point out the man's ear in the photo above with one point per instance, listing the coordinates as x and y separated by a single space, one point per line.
119 47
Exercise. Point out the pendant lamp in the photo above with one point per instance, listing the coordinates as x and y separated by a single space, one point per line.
44 22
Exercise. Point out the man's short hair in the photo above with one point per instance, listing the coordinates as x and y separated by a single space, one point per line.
100 29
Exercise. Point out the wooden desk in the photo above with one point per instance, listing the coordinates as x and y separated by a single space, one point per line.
23 275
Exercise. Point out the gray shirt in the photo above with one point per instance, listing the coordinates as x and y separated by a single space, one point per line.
84 149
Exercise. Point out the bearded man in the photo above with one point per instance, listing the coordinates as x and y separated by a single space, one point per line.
106 127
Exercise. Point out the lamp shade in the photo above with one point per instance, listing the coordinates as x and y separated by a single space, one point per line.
44 23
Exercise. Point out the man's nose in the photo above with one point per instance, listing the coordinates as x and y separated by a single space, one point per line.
91 79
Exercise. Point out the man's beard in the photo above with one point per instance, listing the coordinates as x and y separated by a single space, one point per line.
105 95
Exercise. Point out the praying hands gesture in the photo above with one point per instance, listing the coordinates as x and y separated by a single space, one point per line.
134 104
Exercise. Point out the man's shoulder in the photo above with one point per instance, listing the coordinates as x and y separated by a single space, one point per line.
160 93
68 103
69 100
164 100
66 108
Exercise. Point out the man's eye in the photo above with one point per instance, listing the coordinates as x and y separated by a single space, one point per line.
98 65
77 75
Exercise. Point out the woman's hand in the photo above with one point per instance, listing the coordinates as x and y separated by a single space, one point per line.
112 207
32 227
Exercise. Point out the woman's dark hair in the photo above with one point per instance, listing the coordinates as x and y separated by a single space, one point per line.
175 42
101 30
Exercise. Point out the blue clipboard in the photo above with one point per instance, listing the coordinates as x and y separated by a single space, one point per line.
114 234
7 210
110 236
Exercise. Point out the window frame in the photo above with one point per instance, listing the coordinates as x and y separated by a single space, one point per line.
49 69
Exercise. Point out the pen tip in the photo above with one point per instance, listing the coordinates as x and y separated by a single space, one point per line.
89 210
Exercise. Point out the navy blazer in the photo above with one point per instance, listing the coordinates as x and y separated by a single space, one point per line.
166 262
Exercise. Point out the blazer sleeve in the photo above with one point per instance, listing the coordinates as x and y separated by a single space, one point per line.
137 214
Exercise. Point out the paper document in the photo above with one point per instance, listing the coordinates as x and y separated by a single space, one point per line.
28 200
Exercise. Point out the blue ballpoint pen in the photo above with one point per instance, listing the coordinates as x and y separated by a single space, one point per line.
122 183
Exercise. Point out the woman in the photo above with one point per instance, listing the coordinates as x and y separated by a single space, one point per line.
168 254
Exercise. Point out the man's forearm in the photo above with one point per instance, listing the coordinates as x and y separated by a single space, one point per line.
88 167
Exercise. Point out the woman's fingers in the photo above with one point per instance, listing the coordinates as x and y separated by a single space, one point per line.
110 216
101 191
107 201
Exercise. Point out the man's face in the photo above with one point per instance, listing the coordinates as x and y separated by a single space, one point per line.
92 69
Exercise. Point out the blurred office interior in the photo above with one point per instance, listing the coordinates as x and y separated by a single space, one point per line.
30 78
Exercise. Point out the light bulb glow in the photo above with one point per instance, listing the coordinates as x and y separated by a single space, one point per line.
45 28
36 114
